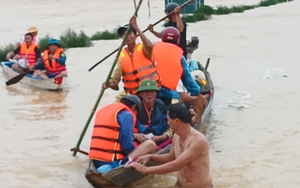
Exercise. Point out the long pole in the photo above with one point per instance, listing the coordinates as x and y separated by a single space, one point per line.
107 80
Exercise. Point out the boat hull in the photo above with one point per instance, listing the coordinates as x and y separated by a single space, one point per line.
49 84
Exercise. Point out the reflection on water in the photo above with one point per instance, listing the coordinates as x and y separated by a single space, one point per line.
35 104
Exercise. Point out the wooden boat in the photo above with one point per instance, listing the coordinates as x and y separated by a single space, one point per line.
122 176
49 84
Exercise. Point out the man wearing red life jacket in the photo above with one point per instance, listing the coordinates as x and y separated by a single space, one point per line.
135 63
54 62
112 142
171 66
27 51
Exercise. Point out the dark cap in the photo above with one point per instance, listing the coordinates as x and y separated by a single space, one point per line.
125 27
170 7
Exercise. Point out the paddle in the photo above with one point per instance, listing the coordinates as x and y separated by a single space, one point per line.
107 80
16 79
183 5
207 63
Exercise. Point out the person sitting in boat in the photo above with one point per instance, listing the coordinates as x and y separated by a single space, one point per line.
112 142
135 62
189 154
29 52
169 59
185 97
34 31
54 62
153 119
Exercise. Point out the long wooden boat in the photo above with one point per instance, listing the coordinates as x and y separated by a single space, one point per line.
122 176
49 84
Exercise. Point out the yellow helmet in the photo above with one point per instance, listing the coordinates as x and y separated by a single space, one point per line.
199 77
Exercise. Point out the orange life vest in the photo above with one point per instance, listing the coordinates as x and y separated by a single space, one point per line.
29 53
148 114
56 67
136 69
168 63
105 145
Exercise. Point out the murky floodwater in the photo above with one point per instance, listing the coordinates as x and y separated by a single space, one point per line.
254 125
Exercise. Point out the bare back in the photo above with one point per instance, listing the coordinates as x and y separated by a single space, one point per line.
195 150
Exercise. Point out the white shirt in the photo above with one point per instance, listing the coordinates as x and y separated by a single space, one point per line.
180 88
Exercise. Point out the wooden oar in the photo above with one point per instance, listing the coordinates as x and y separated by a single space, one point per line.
207 63
18 78
107 80
149 8
183 5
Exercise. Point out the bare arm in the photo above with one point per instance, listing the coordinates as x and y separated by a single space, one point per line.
187 99
163 158
143 37
9 55
190 154
179 23
157 34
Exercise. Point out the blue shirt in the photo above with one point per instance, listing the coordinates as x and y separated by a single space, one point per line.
125 120
188 82
158 120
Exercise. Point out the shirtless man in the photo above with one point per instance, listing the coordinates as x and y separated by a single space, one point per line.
189 153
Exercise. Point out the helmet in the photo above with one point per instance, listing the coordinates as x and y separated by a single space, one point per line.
171 35
199 77
148 85
135 99
170 7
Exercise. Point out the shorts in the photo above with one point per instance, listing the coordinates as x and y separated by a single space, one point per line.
51 75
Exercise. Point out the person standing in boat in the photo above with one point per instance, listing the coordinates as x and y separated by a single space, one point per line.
53 62
169 59
169 82
189 154
135 62
174 21
112 142
29 52
152 122
34 31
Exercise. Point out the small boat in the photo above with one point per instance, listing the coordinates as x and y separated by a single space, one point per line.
122 176
49 84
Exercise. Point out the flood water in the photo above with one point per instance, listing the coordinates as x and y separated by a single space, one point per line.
254 128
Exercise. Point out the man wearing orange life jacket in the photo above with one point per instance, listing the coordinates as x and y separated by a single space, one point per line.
54 62
112 142
171 66
28 51
135 63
